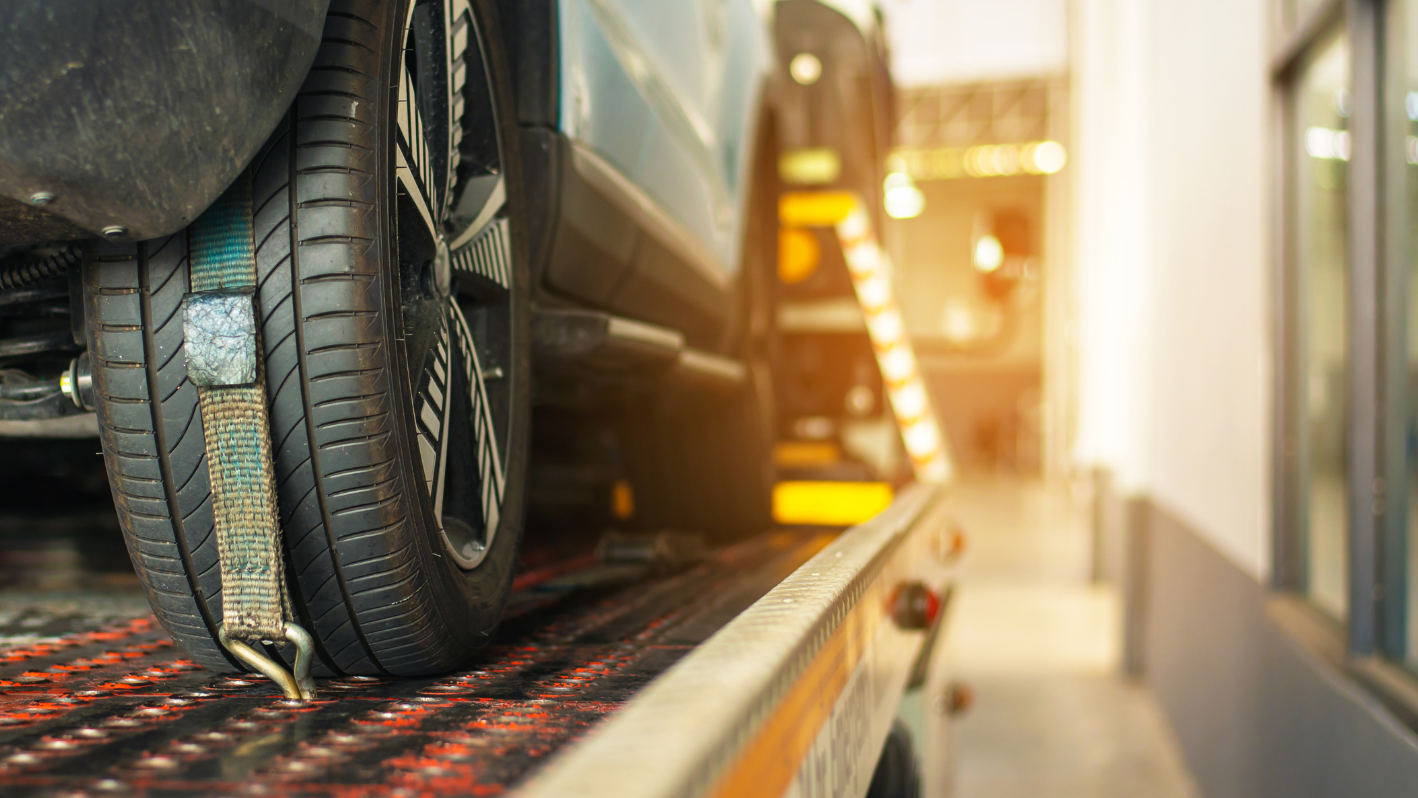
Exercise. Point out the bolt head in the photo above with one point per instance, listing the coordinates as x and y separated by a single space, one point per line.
39 199
114 231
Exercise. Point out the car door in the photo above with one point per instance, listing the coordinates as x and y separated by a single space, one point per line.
666 93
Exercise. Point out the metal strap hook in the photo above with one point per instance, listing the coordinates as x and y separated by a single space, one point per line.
298 686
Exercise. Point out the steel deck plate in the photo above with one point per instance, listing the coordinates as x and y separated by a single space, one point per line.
93 704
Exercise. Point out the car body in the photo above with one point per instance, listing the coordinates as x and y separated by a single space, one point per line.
424 188
639 122
442 199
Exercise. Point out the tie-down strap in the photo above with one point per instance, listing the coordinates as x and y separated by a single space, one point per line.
220 340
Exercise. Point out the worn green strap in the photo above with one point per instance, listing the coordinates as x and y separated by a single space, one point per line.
236 424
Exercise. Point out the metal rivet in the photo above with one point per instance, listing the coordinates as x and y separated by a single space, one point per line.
298 766
194 694
114 231
123 723
448 688
39 199
90 733
213 737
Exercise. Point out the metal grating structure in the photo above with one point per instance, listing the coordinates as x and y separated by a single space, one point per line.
971 115
93 706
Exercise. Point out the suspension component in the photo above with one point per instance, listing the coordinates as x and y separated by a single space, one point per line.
38 265
26 398
20 387
27 345
77 382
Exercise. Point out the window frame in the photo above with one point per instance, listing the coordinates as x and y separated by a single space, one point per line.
1366 425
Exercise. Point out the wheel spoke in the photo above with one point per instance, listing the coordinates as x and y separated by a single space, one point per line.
432 410
488 256
415 159
491 480
458 29
496 199
414 191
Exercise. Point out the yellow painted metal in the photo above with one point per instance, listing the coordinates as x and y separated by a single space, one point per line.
806 454
815 208
795 696
829 503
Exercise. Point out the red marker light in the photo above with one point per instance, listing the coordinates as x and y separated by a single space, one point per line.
914 606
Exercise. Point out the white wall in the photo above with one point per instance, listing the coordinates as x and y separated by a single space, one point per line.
963 41
1171 159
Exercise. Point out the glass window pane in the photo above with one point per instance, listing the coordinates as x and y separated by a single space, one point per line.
1321 146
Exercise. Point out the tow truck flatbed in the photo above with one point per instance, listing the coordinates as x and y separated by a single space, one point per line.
602 681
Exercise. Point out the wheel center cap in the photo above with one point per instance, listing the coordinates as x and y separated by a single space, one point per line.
443 270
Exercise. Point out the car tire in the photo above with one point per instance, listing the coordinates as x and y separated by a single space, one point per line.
393 297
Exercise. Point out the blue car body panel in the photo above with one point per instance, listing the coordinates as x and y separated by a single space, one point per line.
668 93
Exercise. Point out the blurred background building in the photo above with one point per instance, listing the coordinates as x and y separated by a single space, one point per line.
1194 322
981 87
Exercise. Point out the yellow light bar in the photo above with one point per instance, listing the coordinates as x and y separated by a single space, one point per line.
806 454
815 208
829 503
